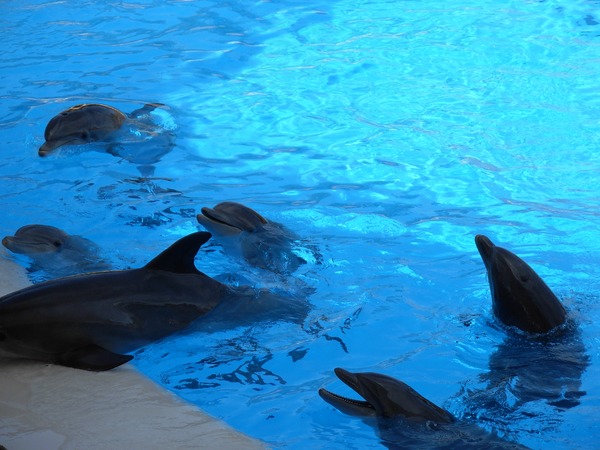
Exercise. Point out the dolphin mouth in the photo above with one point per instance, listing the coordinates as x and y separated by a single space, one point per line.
23 246
213 215
49 146
345 404
211 218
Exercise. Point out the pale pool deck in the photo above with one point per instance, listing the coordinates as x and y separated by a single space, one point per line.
48 407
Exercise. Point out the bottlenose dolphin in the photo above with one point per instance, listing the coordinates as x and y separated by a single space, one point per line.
520 297
81 124
55 252
91 321
92 122
385 397
406 419
263 243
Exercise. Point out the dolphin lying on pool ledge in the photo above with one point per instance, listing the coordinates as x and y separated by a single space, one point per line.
90 321
520 297
406 419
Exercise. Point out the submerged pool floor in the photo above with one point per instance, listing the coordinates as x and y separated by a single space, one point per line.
385 135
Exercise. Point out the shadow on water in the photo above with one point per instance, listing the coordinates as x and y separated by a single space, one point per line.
227 346
432 436
238 360
527 369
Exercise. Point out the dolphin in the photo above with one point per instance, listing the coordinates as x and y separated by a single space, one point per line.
81 124
520 298
54 251
88 122
263 243
91 321
406 419
385 397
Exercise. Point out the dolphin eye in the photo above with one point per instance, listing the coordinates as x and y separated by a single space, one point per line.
57 244
84 135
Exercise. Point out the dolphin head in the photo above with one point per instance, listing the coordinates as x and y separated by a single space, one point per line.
81 124
384 397
35 239
230 218
520 297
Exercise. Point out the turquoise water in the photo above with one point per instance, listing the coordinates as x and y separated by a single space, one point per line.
386 134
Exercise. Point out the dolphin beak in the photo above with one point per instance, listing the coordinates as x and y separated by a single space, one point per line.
344 404
212 220
485 247
48 146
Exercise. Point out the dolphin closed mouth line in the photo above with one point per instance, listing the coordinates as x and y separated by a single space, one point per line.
208 212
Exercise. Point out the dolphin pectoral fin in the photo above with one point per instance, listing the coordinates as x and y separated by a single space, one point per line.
92 357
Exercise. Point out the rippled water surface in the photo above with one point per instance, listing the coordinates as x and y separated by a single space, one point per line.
386 134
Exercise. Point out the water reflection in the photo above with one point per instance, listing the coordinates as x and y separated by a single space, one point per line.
524 370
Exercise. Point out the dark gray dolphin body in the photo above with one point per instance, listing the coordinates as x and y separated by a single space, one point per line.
90 321
263 243
55 252
520 297
406 419
81 124
135 137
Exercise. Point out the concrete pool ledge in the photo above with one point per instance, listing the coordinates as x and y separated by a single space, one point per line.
48 407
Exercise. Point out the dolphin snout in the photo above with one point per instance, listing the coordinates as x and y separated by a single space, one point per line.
485 247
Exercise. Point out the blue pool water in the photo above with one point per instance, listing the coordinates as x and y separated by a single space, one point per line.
386 134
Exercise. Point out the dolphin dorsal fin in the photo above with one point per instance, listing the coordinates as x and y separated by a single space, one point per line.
179 257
